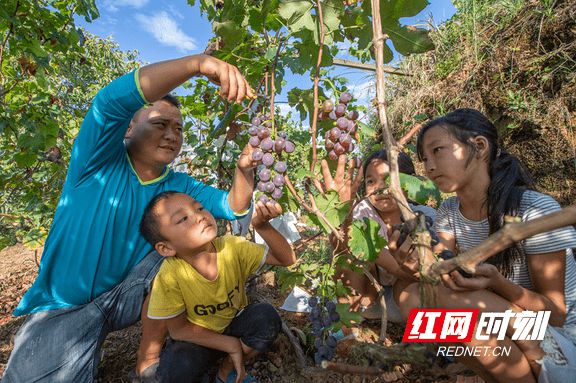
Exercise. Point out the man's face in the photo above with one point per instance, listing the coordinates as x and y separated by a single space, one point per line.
184 223
155 134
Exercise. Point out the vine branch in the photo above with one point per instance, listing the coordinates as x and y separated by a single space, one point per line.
273 84
502 239
389 142
316 80
382 302
410 134
311 208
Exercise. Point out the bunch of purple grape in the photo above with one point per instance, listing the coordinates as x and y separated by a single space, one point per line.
322 316
340 139
271 172
405 231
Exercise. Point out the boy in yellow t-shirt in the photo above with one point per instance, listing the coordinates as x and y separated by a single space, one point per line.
199 289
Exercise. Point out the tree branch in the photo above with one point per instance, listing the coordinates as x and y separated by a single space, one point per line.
247 108
382 302
410 134
370 67
427 288
316 80
273 85
292 190
300 356
389 142
322 217
312 208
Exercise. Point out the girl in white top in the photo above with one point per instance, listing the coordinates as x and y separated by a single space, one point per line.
382 208
462 155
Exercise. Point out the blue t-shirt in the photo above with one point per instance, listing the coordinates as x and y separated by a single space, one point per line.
94 240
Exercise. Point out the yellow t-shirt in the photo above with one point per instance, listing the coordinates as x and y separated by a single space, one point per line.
178 287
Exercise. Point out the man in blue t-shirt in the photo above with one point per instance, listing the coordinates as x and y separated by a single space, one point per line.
96 268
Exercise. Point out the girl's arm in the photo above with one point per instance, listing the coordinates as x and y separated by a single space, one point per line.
547 275
447 242
387 261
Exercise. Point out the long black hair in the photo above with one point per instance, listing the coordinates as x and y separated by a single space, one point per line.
508 176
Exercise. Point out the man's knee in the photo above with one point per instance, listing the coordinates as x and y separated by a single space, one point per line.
79 330
125 302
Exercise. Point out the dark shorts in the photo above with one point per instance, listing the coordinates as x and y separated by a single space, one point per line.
257 326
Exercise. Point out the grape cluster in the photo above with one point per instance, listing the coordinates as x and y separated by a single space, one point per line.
271 172
405 231
340 139
322 316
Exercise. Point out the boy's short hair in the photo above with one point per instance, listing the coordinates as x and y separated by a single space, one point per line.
149 223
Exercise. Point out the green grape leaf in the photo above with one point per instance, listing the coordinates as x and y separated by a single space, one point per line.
419 189
25 159
406 39
230 31
287 279
366 130
303 100
298 16
365 242
334 211
347 317
332 10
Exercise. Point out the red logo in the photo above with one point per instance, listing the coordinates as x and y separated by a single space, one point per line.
440 325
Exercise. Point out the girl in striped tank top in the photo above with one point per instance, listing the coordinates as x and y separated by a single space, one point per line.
462 155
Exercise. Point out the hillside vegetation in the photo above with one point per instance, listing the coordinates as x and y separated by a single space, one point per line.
514 60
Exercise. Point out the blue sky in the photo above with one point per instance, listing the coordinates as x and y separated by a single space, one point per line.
162 30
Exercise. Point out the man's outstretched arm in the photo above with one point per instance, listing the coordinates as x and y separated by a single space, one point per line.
159 79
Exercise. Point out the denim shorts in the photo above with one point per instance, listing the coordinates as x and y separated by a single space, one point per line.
257 326
64 345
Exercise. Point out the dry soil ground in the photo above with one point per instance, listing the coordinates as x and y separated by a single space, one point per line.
18 268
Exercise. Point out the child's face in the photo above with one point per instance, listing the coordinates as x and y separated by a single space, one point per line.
374 179
445 160
184 223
